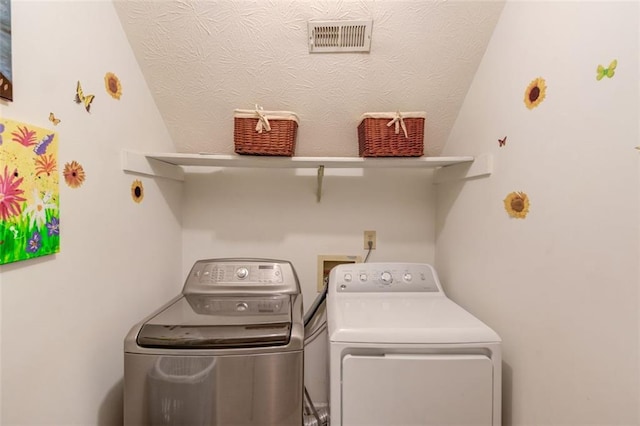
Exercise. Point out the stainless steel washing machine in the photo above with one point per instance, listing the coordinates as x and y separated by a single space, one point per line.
227 351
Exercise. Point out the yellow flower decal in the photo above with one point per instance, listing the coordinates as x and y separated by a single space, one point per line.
535 93
517 205
113 86
73 174
137 191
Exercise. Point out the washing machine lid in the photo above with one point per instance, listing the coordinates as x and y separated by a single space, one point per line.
213 322
404 318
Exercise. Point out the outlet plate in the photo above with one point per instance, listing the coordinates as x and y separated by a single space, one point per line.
326 262
369 236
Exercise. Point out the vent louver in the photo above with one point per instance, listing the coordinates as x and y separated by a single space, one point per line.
339 36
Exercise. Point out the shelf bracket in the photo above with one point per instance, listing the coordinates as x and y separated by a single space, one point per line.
319 185
134 162
481 166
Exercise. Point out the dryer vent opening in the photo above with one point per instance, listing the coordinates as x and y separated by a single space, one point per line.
339 36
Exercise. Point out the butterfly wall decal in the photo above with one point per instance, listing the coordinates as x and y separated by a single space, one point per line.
502 142
82 98
53 119
602 72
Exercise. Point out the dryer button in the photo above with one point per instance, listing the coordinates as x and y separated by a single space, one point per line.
386 277
408 277
348 277
363 277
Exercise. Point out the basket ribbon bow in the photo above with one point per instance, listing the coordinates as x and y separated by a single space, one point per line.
262 121
399 122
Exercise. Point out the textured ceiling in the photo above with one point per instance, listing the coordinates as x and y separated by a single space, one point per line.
203 59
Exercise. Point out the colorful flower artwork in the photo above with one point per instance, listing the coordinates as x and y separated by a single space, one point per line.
29 194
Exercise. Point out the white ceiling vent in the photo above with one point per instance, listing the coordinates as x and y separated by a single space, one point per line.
339 36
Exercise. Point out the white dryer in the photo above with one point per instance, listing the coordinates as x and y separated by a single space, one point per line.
403 354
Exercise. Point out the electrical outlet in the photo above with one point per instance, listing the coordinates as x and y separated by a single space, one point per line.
369 236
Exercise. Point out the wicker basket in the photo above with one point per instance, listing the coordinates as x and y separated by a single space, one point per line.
258 132
391 134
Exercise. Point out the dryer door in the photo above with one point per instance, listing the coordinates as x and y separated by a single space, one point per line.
417 389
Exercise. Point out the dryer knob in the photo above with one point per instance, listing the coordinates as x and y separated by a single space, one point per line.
386 277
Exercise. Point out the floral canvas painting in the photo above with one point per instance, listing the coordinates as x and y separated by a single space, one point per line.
29 192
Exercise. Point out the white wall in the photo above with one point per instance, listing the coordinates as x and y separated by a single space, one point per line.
203 59
561 286
64 317
274 213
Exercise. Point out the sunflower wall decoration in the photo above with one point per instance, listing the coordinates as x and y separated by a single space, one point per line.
29 193
535 93
74 174
113 86
517 204
137 191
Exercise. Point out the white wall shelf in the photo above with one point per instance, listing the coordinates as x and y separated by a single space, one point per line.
170 165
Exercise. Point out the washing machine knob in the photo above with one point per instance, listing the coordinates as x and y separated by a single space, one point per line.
386 277
408 277
242 273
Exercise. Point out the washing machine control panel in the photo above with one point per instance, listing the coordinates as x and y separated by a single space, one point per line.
385 277
217 273
248 276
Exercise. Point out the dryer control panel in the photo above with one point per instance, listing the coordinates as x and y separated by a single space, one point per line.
384 278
